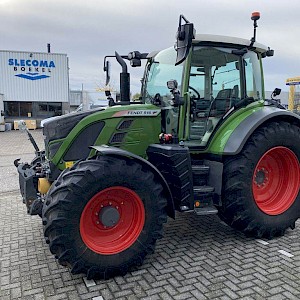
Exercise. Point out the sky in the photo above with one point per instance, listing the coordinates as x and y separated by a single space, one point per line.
88 30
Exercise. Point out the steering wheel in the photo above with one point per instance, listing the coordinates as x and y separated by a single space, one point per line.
197 97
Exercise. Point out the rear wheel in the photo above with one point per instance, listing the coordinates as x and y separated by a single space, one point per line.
261 184
103 216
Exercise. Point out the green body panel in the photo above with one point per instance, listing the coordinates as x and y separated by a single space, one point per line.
222 134
143 131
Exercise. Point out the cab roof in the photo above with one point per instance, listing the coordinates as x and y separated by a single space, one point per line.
228 40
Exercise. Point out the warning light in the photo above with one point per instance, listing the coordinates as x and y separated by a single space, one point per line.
255 16
197 204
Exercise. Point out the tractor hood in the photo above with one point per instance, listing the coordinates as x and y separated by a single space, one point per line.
60 126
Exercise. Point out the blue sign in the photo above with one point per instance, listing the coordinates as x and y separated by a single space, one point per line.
33 67
31 63
32 76
293 83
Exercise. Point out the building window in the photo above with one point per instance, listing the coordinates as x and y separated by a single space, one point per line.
55 109
47 109
41 109
11 109
25 109
32 109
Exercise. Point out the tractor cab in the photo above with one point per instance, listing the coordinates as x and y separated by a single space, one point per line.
219 75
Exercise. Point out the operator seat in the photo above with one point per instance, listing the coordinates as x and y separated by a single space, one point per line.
235 92
221 103
225 99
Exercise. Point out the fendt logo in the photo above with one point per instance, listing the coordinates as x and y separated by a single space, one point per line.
32 69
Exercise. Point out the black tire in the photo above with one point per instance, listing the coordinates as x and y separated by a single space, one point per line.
64 212
248 203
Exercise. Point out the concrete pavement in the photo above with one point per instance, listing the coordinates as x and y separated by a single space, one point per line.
198 258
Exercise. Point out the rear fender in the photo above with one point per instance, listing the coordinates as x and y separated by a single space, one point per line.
113 151
242 132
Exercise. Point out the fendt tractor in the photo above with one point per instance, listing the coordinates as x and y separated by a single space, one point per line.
202 138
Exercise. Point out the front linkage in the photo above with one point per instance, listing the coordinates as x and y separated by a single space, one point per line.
32 177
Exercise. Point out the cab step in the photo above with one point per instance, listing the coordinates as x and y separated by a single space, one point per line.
200 174
206 210
204 200
203 190
200 169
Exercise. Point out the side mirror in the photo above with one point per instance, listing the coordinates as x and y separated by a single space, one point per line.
185 35
106 69
276 92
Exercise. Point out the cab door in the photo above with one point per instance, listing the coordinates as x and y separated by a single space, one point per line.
215 85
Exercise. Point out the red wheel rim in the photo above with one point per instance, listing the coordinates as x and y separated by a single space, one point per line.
126 209
275 182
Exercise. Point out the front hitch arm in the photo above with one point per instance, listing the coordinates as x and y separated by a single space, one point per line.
16 162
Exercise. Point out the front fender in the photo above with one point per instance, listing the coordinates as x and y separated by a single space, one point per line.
113 151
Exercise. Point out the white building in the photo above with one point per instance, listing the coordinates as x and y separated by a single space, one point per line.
33 84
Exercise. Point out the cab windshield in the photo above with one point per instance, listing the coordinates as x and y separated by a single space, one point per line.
160 71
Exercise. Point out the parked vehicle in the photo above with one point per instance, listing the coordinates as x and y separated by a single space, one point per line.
203 139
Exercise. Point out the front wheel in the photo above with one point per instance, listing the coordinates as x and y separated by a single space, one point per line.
261 184
103 216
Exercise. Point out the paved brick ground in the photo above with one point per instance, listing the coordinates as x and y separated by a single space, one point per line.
199 257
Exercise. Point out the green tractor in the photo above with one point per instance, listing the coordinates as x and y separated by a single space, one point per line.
202 138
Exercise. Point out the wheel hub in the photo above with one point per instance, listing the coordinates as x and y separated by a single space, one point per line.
109 216
261 177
